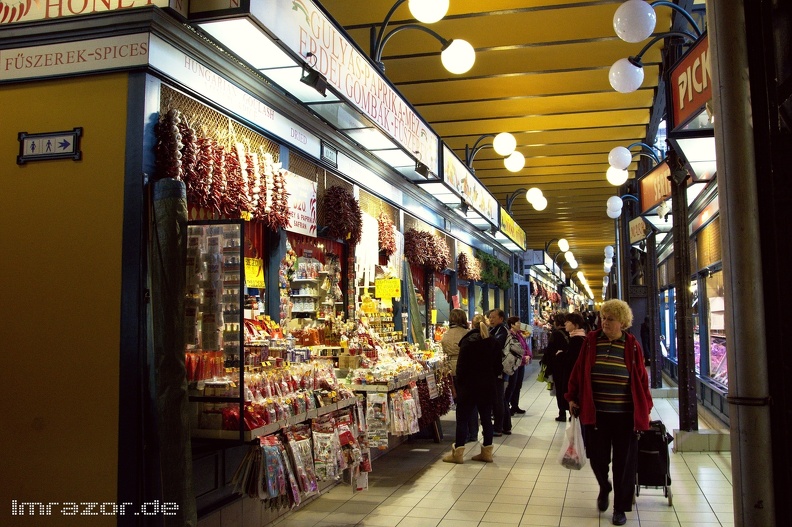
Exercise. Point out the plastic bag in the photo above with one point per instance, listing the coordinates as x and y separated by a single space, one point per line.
573 452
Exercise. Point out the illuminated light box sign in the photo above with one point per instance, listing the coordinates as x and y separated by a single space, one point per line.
12 11
512 231
304 28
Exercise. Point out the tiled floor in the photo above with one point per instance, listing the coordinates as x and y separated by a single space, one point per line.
411 487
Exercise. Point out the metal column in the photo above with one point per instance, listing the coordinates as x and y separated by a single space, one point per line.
688 405
749 413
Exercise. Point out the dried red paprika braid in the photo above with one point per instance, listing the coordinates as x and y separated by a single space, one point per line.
204 171
218 179
232 198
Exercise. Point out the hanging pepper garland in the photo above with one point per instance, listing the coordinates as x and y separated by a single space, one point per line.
228 180
347 219
387 238
426 249
468 268
432 409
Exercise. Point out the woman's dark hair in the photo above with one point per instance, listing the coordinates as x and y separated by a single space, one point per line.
577 320
512 320
458 317
559 319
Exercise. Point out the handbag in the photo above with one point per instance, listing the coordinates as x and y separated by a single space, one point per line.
541 377
573 452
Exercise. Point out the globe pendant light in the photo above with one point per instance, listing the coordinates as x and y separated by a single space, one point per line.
613 214
458 57
615 203
504 144
532 195
540 203
620 157
428 11
616 177
625 77
563 244
515 162
634 21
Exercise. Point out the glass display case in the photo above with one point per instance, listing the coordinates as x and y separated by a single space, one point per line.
215 355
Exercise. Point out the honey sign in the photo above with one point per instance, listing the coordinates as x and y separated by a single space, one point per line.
387 288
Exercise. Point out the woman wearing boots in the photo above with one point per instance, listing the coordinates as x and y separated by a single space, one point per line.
450 343
478 368
609 390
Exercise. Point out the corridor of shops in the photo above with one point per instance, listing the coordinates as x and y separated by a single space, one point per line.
411 487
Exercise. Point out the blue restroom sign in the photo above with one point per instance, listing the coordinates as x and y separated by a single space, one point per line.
49 145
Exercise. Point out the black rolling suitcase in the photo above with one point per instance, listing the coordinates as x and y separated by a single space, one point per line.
653 462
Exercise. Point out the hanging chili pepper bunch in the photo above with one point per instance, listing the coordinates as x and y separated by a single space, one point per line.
468 268
226 180
426 249
387 236
347 219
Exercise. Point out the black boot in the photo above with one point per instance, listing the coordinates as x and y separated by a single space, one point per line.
561 416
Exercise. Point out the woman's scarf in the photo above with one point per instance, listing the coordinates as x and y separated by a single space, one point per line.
578 332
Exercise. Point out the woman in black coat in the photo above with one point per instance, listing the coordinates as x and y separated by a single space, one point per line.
478 368
556 345
574 325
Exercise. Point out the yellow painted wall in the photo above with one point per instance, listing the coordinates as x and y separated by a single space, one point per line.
60 282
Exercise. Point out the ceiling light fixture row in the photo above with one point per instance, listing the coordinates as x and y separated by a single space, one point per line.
634 21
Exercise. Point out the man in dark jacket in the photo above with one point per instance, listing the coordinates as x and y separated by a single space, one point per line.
499 331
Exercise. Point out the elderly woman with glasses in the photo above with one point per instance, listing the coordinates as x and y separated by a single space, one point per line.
609 390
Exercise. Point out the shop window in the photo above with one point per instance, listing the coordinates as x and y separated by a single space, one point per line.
479 301
491 298
717 331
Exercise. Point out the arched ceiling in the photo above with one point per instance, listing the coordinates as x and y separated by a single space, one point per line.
541 73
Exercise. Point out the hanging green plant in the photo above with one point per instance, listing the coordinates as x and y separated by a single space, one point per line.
493 270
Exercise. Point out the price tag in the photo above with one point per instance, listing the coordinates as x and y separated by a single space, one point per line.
432 385
434 316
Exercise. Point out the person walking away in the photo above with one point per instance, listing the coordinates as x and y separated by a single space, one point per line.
515 329
565 360
458 328
478 366
499 331
556 345
514 403
609 390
